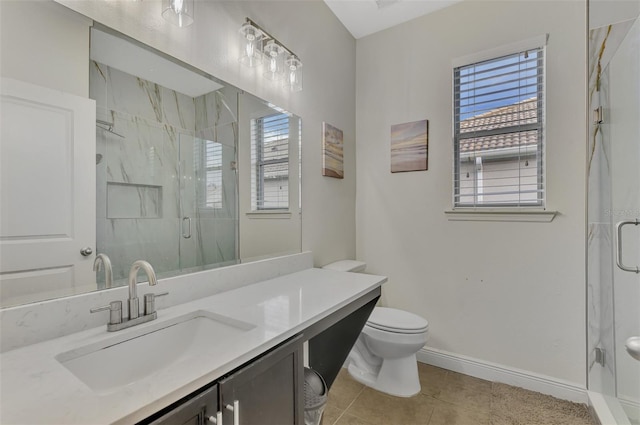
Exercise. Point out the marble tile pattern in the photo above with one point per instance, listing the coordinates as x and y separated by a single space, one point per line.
624 111
600 225
448 398
160 135
613 195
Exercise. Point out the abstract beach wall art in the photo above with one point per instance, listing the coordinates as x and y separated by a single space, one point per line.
409 146
332 152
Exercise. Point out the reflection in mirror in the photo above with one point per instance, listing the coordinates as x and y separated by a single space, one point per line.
167 183
191 173
269 142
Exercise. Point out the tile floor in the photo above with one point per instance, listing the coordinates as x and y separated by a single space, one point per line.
448 398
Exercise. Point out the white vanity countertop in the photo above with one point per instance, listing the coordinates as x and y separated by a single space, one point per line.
37 389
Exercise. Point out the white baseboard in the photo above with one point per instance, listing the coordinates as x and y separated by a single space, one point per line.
631 408
504 374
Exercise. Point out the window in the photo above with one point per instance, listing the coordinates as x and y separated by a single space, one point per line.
498 131
209 164
270 162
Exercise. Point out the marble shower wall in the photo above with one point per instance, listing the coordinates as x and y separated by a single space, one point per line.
149 176
600 242
614 195
623 113
217 124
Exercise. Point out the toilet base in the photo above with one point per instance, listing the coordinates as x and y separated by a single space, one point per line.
397 377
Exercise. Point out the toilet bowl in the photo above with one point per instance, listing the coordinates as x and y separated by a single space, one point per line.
384 355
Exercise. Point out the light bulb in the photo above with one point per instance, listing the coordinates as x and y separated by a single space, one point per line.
275 69
178 12
249 49
177 6
292 74
294 79
251 37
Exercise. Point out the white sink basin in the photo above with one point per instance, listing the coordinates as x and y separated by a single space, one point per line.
124 359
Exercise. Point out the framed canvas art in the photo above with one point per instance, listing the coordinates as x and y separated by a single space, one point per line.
409 146
332 152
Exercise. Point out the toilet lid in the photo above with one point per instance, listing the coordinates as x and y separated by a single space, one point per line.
394 320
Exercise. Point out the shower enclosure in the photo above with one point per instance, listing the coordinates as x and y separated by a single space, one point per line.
613 247
166 182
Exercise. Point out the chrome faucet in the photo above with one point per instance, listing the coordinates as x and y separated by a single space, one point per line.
116 321
134 305
102 260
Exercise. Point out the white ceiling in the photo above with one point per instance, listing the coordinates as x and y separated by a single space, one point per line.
364 17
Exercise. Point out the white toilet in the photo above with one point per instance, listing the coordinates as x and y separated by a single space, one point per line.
384 356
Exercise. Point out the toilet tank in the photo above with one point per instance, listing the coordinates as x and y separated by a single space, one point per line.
347 266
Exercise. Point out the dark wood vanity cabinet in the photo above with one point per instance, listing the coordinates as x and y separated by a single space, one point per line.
269 390
266 391
195 411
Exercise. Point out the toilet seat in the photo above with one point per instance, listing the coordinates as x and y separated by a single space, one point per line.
397 321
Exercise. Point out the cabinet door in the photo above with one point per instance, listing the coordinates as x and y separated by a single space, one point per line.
268 391
195 411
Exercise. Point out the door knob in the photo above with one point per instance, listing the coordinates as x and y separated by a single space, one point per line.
86 251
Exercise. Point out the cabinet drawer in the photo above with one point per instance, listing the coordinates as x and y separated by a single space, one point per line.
192 412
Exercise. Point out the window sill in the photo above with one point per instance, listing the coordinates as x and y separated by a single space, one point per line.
275 214
535 216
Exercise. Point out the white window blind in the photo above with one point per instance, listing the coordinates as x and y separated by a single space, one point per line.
209 165
498 131
270 162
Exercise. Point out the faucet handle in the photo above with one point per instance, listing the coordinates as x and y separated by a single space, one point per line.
150 302
115 311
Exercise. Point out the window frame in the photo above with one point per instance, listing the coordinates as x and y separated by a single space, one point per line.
257 143
206 169
534 44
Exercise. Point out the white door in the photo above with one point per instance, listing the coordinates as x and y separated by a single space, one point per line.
47 193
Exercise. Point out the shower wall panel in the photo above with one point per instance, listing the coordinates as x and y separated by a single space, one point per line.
151 173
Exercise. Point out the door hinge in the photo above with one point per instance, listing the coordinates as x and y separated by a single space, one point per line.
598 115
600 355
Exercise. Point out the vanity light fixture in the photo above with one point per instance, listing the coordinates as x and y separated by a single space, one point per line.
294 73
178 12
280 63
252 38
274 67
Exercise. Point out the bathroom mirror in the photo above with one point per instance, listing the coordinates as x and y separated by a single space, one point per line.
191 173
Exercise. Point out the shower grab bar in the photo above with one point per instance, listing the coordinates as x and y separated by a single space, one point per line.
619 227
188 234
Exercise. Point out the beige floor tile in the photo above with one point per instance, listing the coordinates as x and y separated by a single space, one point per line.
432 379
348 419
330 415
377 408
448 398
517 406
467 391
344 390
452 414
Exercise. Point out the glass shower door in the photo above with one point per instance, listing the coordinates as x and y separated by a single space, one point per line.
208 205
624 111
614 199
